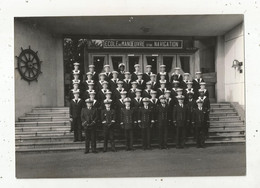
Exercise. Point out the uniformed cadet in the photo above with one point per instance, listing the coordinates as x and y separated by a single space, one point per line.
107 73
102 93
147 91
140 81
90 87
174 77
77 71
128 119
175 85
76 106
199 121
94 74
146 75
76 79
134 74
191 105
131 92
180 120
177 72
190 89
203 87
170 104
113 81
162 88
154 85
89 117
154 101
120 102
76 66
162 71
108 96
121 74
196 81
137 101
100 82
179 93
185 80
127 81
145 122
163 79
162 119
92 96
108 119
118 90
206 106
75 88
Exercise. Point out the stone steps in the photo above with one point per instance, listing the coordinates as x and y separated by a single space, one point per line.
48 129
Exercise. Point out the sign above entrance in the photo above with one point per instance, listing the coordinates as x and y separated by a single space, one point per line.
145 44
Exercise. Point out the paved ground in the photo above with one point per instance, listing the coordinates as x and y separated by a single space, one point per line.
225 160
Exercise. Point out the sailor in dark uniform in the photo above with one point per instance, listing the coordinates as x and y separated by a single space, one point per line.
183 83
113 81
108 74
199 121
180 120
100 82
179 76
134 74
118 90
76 106
120 104
108 96
162 89
191 105
162 71
121 74
145 121
154 85
88 80
108 119
89 117
196 81
85 94
131 92
127 81
140 81
203 87
175 86
94 74
190 89
147 92
128 120
75 88
102 93
174 77
146 75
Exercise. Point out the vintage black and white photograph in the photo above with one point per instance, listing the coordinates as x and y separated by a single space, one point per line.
129 96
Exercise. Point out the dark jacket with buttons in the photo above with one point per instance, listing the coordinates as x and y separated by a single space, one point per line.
128 118
199 117
162 114
180 115
89 116
75 108
145 117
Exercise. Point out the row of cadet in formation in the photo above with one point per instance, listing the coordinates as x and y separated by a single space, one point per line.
185 109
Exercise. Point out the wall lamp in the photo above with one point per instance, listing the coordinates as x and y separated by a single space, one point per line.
237 65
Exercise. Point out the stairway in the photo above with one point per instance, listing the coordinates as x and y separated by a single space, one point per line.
48 129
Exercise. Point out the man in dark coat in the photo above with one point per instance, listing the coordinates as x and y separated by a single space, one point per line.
107 73
94 74
162 120
102 93
146 75
183 83
199 121
177 72
85 94
108 119
180 120
76 106
162 72
145 121
147 91
131 92
154 85
121 74
161 90
89 117
196 81
113 81
118 90
140 82
134 74
127 81
203 87
128 119
191 105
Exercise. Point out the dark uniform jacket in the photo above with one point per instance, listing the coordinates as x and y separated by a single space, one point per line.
154 86
154 103
196 84
206 103
99 86
89 117
191 105
206 93
146 76
140 84
108 76
127 84
173 93
95 77
146 93
85 94
180 115
108 116
134 76
170 104
180 78
185 91
121 75
101 95
162 114
128 118
131 93
103 106
137 103
75 108
160 92
145 117
183 84
199 117
113 84
116 93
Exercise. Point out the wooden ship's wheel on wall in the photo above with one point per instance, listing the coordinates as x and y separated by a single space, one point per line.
29 65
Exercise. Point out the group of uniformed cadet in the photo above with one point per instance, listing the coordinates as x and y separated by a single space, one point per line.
142 101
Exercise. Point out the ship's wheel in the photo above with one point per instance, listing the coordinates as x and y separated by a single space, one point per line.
29 65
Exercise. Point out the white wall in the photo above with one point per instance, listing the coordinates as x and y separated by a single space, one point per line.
49 90
234 49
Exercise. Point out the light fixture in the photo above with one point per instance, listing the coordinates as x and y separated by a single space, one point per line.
237 65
